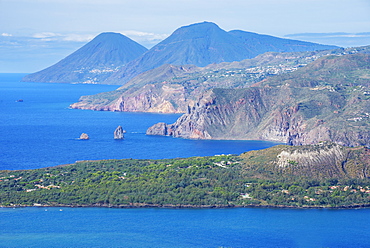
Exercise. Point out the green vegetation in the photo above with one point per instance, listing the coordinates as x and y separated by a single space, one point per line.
218 181
193 181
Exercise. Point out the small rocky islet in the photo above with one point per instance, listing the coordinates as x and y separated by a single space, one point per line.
117 135
84 136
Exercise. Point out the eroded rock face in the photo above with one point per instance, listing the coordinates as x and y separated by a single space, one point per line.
119 133
264 114
158 129
323 160
333 155
84 136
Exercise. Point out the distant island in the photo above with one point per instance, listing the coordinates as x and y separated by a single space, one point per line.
92 63
318 176
112 58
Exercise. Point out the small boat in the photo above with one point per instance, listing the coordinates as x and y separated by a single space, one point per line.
19 100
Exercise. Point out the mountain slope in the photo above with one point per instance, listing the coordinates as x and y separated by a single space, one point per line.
205 43
170 88
93 62
328 100
257 43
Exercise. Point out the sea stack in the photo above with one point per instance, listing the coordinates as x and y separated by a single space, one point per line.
118 133
84 136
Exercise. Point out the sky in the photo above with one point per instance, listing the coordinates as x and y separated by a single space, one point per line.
37 33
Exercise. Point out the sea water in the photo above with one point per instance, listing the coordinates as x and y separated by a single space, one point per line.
247 227
43 131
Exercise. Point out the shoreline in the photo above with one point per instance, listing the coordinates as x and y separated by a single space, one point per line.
169 206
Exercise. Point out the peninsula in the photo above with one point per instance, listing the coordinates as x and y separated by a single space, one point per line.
323 175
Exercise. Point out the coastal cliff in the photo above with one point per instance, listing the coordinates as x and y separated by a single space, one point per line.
327 100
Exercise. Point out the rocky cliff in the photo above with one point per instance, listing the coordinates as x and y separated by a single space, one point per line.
328 100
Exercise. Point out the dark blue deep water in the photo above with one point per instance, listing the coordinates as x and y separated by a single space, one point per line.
42 131
104 227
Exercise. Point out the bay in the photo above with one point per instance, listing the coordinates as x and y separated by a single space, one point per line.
43 131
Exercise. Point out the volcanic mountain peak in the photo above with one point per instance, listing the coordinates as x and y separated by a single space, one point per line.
93 62
205 43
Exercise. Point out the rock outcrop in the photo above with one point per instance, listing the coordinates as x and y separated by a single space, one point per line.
324 160
119 133
327 100
84 136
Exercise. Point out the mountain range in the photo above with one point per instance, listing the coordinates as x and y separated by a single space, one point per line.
198 44
93 62
205 43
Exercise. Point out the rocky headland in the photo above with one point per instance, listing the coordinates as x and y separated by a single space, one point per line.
328 100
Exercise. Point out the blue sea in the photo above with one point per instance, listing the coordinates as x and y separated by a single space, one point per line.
42 131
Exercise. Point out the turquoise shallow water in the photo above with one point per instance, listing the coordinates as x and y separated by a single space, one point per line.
41 131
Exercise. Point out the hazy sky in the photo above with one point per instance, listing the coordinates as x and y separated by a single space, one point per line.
275 17
149 21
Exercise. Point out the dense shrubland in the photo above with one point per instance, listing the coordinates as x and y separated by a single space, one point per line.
217 181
